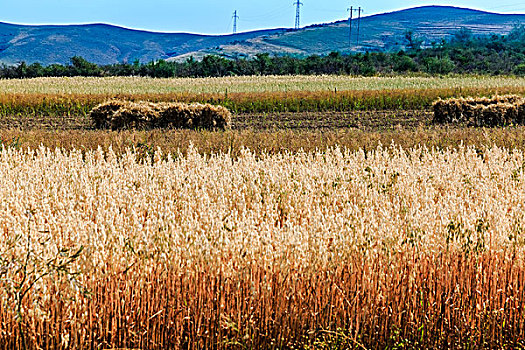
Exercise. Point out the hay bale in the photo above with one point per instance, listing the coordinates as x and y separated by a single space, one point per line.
521 113
132 115
101 113
146 115
452 111
177 116
496 114
441 115
494 111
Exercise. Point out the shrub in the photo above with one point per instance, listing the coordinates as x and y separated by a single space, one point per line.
405 64
519 69
440 65
118 114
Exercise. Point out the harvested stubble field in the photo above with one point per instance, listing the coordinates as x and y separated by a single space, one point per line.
297 229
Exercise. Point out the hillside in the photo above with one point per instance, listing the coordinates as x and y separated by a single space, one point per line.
102 43
383 32
106 44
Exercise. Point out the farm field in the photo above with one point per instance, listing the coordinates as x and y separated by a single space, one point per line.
332 215
254 121
261 84
66 97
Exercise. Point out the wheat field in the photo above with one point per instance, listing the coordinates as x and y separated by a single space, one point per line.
248 84
361 249
250 239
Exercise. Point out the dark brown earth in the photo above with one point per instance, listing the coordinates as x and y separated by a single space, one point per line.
366 120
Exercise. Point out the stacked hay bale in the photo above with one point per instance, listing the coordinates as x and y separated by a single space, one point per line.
100 115
495 111
118 115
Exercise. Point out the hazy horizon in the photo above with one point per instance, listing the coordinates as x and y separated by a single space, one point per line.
177 16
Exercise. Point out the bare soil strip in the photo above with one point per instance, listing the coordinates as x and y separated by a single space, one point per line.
368 120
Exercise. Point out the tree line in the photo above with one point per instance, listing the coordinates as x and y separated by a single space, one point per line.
464 53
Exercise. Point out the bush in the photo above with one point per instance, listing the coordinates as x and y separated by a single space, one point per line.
519 69
117 115
440 65
405 64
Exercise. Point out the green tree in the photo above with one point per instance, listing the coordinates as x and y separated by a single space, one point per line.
404 63
82 67
21 70
56 70
214 66
519 69
436 65
35 70
463 36
263 63
413 43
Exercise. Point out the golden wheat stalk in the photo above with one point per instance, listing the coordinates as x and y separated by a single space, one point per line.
196 251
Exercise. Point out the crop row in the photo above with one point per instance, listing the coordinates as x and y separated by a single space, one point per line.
248 84
16 104
273 142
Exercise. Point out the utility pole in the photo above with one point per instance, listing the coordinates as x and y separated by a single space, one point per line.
358 23
298 3
235 17
351 9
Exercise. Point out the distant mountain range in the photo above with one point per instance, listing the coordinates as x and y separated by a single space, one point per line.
106 44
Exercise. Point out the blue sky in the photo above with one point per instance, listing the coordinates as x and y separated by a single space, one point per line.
212 16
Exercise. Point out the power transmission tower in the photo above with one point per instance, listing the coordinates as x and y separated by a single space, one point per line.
298 3
351 9
358 23
235 18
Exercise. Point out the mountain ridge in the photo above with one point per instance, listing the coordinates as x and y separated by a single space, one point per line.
103 43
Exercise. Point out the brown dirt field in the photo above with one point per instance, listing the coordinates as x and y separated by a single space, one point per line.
367 120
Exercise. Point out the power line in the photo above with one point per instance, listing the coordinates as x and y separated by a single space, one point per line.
359 10
235 18
298 3
229 26
275 12
351 9
359 23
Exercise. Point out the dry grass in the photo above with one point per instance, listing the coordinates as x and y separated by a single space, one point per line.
377 248
269 141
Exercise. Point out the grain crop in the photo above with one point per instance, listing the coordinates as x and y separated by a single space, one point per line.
77 96
31 105
389 247
247 84
272 142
